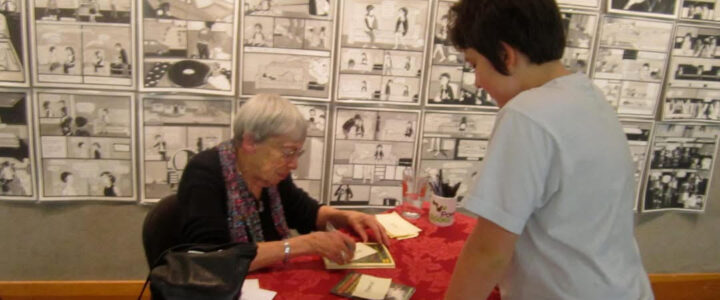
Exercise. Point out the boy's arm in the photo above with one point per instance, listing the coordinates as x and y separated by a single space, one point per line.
482 262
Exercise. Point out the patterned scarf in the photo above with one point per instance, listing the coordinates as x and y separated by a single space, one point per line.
243 212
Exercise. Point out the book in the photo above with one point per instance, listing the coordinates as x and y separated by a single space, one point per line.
380 259
396 227
347 285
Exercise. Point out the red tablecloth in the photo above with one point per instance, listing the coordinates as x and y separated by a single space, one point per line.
425 262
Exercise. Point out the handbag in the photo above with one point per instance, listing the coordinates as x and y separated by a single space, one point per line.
200 271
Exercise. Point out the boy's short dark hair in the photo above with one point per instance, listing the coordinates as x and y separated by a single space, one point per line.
534 27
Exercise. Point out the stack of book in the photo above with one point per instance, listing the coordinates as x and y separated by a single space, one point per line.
396 227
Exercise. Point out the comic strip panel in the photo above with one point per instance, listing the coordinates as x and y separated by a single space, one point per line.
699 10
371 148
638 98
630 98
173 74
88 138
648 8
458 125
580 30
701 42
347 194
297 33
623 64
579 3
189 46
694 75
58 49
292 75
210 10
65 179
17 169
451 82
446 85
399 78
361 61
360 87
81 43
188 39
443 52
13 44
375 125
309 9
383 38
307 172
316 116
691 105
301 34
694 72
635 34
400 89
638 134
630 65
611 89
396 24
106 59
173 130
680 167
90 11
576 60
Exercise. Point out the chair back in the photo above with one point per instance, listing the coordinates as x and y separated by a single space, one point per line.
161 228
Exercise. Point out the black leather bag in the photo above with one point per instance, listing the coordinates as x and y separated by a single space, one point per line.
200 271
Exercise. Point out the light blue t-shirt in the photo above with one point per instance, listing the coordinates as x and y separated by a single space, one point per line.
558 172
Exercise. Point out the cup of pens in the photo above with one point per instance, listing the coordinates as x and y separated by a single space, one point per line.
413 191
442 201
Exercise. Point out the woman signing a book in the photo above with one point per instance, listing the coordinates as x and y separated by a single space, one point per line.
241 191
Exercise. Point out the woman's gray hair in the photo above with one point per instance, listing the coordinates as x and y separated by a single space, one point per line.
267 115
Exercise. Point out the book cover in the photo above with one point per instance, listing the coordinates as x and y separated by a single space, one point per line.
379 260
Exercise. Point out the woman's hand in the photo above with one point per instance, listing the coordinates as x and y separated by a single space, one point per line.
355 220
334 245
360 221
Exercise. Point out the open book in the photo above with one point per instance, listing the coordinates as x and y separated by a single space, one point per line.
367 256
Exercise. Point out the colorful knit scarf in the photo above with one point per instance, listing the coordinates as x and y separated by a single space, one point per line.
243 212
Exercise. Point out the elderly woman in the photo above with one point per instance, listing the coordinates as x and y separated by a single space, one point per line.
242 191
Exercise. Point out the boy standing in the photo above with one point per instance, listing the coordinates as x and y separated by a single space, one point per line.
556 191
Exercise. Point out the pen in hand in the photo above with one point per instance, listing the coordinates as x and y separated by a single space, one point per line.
329 227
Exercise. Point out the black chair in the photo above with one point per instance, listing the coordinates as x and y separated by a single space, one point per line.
161 230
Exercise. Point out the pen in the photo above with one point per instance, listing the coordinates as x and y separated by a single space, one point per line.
329 227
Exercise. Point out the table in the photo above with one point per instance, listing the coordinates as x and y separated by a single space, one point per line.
425 262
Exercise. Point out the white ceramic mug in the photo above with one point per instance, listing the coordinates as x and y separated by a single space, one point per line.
442 210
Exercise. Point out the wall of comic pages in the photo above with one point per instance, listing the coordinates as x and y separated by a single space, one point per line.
108 99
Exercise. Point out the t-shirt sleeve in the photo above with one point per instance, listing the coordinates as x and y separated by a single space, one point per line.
301 210
513 177
202 200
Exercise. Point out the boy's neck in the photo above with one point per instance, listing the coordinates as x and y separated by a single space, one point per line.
535 75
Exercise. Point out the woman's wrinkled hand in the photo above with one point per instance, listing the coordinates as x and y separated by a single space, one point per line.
335 246
360 221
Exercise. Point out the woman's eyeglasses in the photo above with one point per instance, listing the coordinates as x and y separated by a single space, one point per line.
290 154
